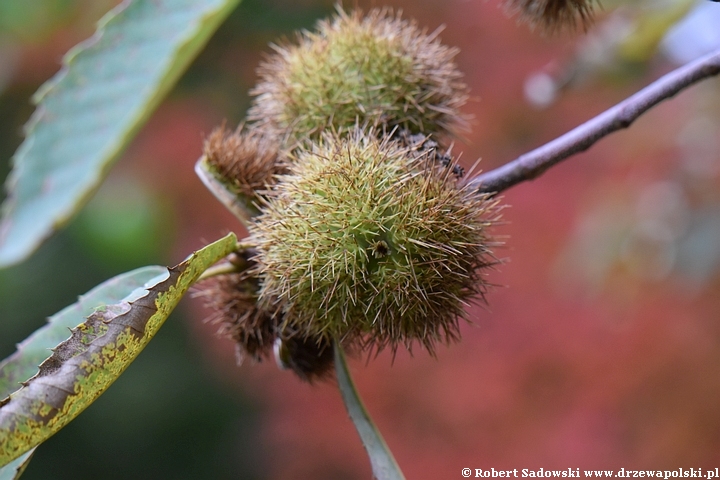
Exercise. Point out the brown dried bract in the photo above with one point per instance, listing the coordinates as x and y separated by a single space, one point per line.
233 298
247 159
553 15
310 359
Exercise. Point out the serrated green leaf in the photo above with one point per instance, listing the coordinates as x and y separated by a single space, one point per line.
89 111
384 466
81 368
23 364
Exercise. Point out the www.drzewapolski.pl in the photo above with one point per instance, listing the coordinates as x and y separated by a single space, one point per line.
577 473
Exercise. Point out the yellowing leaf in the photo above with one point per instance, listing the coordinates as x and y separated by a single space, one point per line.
81 368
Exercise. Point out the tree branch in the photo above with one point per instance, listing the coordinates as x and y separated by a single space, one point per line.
534 163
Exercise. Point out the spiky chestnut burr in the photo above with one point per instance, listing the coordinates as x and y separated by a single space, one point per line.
233 299
554 14
420 145
310 359
377 70
370 242
239 165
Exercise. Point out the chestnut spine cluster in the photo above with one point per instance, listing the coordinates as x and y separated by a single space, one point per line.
362 232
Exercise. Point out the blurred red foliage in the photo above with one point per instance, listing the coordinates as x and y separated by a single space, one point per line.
544 376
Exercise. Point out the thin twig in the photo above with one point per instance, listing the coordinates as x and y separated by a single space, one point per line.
622 115
224 268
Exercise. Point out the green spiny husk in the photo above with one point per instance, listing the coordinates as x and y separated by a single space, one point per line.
377 70
367 241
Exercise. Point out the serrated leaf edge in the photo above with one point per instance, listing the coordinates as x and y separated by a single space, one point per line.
168 76
97 352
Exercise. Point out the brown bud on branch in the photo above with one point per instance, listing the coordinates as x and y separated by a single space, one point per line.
553 15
